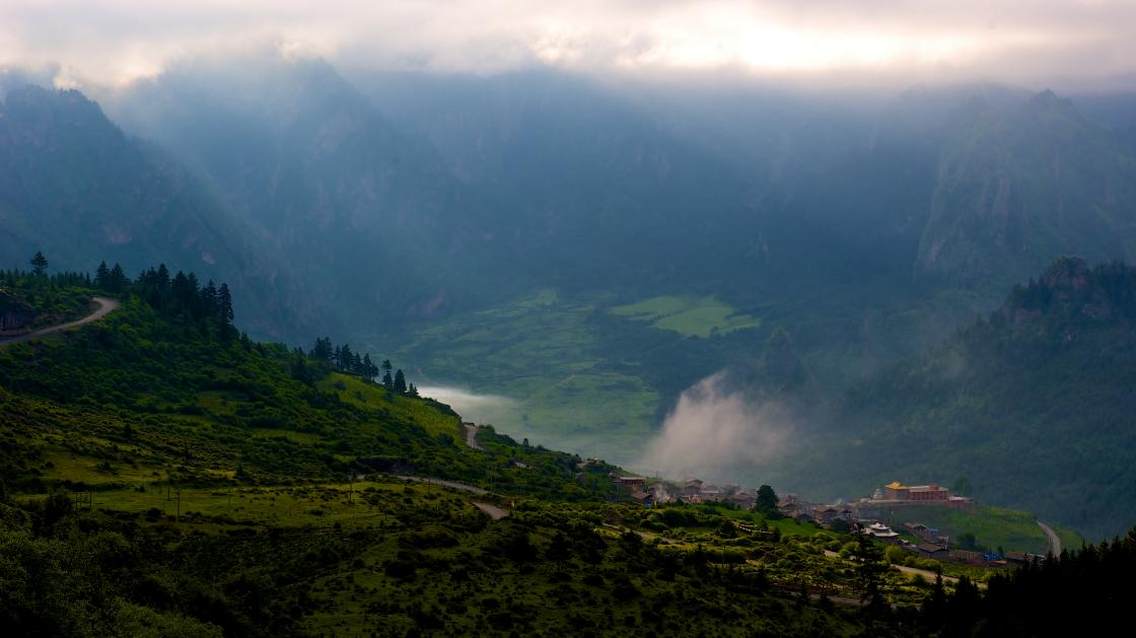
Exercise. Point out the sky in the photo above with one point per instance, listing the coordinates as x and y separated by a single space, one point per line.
1036 42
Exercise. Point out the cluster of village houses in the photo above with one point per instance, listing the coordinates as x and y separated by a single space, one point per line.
692 491
863 516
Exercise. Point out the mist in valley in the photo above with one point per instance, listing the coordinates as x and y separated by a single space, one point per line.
482 409
718 434
579 218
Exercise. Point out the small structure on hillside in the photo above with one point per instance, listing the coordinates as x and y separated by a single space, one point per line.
882 532
744 499
967 556
896 491
692 487
927 534
631 482
931 550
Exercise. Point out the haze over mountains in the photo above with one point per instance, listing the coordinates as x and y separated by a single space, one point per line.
443 218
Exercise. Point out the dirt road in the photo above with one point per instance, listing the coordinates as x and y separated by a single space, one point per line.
105 307
927 574
494 512
453 485
1054 539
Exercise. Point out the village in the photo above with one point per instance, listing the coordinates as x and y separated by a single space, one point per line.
863 516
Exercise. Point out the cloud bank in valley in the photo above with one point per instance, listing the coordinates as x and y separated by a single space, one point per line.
479 408
115 41
715 433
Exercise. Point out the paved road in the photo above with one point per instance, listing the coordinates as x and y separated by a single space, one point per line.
105 307
1054 539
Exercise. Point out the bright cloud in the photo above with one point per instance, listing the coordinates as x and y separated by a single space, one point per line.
115 41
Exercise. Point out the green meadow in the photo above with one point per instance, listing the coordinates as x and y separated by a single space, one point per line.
688 316
586 373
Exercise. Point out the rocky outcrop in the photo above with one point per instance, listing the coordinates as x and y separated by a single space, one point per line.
1020 185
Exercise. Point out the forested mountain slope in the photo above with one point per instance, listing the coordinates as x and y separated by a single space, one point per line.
1022 184
74 186
1033 404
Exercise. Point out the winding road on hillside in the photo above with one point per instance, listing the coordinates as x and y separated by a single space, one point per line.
105 307
1054 539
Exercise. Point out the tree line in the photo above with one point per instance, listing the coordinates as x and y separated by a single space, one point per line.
1064 595
342 358
180 296
39 275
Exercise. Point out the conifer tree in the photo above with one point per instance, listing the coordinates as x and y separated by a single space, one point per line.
209 299
322 350
102 277
118 279
399 382
225 305
39 264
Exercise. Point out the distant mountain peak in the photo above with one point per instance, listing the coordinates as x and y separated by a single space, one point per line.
1049 103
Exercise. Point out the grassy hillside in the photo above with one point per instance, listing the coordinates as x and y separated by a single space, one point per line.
991 527
163 475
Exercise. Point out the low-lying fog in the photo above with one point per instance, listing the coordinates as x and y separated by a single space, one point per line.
479 408
711 432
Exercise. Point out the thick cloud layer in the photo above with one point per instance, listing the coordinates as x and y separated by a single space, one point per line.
1040 42
717 434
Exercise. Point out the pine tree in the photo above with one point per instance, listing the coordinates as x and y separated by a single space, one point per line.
322 350
39 264
180 293
399 382
225 305
344 358
118 279
209 299
102 277
299 367
388 382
